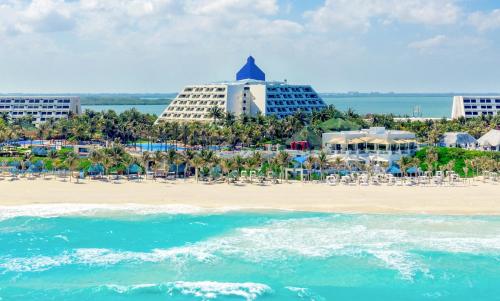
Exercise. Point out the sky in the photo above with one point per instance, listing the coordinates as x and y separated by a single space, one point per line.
154 46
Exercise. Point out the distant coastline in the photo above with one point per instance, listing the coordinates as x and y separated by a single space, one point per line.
97 99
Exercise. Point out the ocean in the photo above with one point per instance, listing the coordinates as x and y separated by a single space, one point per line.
97 252
429 105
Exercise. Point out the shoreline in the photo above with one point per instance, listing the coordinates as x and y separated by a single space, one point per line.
475 199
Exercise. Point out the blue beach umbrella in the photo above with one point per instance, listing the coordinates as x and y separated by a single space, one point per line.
412 170
393 170
96 169
134 169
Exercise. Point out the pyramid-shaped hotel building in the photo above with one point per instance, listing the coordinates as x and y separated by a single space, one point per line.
250 94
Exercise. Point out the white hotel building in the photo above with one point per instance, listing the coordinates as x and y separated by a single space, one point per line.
250 94
40 108
474 106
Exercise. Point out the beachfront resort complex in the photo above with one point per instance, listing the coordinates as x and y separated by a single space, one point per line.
375 144
474 106
249 95
40 108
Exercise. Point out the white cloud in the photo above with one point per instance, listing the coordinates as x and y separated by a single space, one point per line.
428 44
360 14
267 7
485 21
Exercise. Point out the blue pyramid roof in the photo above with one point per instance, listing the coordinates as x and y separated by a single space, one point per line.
250 71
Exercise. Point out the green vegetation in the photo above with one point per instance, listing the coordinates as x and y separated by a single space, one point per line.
464 162
227 130
233 132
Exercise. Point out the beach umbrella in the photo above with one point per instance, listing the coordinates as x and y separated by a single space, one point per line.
412 170
39 164
134 169
14 164
394 170
96 169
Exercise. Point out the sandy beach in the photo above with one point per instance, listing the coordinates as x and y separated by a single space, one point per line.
475 199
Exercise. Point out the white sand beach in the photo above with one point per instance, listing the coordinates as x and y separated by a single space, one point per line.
475 199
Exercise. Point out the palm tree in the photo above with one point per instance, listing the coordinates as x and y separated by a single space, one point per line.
309 164
239 162
404 164
283 160
431 159
337 163
179 159
197 162
145 159
322 162
72 162
226 166
107 162
170 157
158 158
188 156
257 159
95 156
216 113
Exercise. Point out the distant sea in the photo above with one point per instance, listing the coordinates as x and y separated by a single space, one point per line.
402 105
138 253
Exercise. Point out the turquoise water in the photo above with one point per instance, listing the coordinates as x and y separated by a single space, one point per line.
430 106
182 253
146 109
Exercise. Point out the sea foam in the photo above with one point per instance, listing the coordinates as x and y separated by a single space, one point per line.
204 290
67 209
395 243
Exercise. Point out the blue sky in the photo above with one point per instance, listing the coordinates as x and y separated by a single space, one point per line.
58 46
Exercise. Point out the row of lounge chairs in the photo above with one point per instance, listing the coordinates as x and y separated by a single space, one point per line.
364 179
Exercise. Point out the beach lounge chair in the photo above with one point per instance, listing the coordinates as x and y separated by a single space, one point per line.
363 180
345 180
331 180
437 180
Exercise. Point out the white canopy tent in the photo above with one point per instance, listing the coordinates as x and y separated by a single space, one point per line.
490 140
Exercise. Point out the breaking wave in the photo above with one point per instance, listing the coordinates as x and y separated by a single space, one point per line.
395 243
57 210
204 290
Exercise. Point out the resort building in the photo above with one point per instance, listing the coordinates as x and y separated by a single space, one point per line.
40 108
375 144
474 106
250 94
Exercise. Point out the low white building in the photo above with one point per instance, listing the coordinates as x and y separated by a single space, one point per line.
40 108
474 106
250 94
458 139
375 144
490 141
